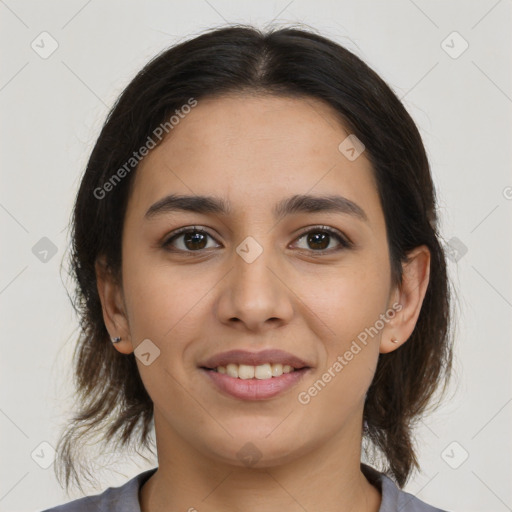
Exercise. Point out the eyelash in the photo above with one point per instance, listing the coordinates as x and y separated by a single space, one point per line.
344 242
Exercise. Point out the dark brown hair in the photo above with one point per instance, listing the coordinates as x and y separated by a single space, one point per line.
292 61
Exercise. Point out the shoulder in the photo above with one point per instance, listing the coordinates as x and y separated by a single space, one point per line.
124 498
410 503
394 498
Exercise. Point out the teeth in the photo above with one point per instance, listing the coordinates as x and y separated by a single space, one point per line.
262 372
245 372
277 369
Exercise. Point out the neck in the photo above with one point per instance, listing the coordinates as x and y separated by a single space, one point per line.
327 478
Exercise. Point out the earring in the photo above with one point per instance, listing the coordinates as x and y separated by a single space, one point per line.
117 339
394 341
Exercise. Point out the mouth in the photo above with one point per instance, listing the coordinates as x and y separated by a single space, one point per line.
254 375
254 388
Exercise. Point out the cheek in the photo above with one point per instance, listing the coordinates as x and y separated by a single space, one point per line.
165 302
351 308
164 305
351 298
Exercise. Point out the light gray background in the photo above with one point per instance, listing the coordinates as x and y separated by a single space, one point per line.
53 110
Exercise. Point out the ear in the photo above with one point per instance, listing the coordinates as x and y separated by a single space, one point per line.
113 306
410 295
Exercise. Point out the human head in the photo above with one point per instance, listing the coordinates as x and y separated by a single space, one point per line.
287 63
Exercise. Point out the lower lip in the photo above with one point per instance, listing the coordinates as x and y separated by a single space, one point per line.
255 389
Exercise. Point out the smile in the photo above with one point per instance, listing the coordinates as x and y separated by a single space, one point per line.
245 387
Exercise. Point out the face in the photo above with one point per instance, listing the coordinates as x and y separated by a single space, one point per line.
310 282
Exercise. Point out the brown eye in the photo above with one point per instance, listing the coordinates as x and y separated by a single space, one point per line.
194 240
319 239
188 240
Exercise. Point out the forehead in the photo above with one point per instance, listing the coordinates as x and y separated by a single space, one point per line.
256 129
253 148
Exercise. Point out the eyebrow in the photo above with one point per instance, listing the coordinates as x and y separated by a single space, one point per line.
294 204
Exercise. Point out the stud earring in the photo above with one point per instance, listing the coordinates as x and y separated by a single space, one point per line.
117 339
394 341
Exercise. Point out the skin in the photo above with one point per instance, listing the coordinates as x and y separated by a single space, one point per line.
254 151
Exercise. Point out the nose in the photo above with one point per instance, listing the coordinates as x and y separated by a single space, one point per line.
255 295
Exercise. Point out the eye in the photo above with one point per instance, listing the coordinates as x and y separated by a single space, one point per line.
320 237
193 239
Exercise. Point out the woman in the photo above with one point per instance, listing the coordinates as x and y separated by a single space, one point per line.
259 274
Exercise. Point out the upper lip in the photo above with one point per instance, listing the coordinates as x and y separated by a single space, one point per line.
272 356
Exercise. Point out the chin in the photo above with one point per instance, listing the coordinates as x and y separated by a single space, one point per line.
252 451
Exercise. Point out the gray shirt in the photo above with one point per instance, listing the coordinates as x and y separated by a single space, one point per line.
126 497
